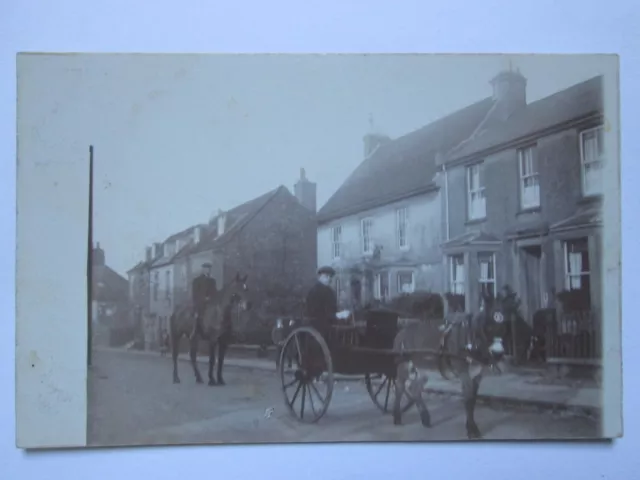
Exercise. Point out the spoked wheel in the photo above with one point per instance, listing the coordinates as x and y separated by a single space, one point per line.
305 395
382 390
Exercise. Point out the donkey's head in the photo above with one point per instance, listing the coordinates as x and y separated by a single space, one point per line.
237 293
492 320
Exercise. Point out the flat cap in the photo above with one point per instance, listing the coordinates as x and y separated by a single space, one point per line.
326 270
206 265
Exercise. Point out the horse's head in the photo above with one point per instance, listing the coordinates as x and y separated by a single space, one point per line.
492 321
237 293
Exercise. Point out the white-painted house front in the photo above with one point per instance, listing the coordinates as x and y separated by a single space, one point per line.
383 228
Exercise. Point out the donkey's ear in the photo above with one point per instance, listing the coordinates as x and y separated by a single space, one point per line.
237 276
244 280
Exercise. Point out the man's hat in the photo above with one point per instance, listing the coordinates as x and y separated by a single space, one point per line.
326 271
206 265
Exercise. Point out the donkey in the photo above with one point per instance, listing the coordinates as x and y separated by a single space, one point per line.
216 327
472 344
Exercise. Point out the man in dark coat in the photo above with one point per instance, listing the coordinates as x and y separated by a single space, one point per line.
322 301
203 289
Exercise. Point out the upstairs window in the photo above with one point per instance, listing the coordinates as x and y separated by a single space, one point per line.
592 160
336 241
476 203
529 179
367 234
401 228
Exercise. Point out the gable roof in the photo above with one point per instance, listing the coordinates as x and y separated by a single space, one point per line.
405 166
165 259
108 285
578 101
236 219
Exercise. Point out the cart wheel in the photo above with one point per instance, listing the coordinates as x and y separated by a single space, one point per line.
380 388
306 397
444 366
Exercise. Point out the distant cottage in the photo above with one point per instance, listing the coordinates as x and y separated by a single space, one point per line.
109 301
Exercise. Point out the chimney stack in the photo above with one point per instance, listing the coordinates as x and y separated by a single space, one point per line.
305 191
98 257
147 254
373 139
509 92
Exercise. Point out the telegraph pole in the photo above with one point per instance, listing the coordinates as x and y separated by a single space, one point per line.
90 261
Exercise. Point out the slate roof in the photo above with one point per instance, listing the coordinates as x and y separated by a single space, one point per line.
236 219
167 259
108 285
529 228
405 166
471 238
577 101
585 218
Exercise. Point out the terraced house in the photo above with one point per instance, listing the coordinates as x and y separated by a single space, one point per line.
523 198
503 192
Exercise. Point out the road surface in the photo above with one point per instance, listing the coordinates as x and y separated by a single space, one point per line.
132 401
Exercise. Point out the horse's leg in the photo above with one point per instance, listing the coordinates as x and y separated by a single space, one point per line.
175 349
193 353
402 374
212 360
223 344
470 385
416 386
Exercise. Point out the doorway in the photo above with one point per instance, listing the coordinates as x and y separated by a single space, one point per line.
531 281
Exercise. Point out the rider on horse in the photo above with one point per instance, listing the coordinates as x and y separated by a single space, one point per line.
203 289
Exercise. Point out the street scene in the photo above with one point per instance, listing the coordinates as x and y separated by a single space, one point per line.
136 404
442 239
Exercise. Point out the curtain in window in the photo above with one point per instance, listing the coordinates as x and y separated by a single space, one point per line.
590 147
575 269
484 270
459 278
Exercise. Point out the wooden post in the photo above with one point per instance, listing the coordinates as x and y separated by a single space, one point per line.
89 262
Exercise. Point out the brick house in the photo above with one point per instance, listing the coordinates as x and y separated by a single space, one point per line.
523 198
109 300
272 238
382 229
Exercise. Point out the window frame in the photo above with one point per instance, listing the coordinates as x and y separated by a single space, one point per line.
336 245
583 273
452 281
364 241
524 176
399 226
480 192
377 286
413 280
489 281
601 160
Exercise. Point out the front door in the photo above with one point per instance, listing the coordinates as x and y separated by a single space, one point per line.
531 281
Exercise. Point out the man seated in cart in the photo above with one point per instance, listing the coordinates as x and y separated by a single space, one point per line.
322 302
322 307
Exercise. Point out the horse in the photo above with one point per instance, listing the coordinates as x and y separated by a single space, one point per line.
470 345
216 327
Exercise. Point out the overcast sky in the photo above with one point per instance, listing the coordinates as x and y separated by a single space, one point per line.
177 137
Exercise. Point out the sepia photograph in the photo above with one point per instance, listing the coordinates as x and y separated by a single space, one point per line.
332 248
